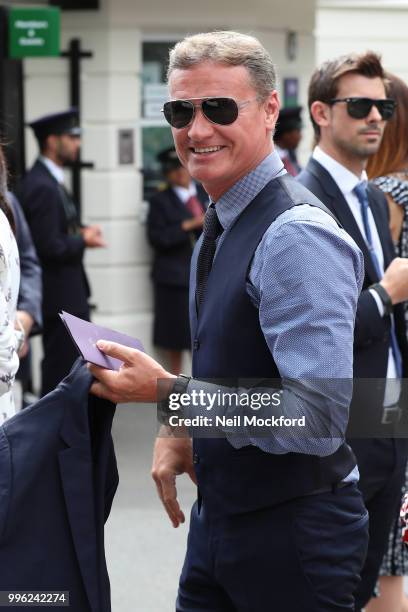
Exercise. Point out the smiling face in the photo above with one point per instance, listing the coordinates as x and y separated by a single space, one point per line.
351 141
236 149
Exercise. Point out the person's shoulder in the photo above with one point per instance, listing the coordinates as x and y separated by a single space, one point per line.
37 180
311 234
38 173
305 214
313 176
394 185
164 196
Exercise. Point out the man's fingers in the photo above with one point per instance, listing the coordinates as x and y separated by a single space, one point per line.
97 389
101 391
175 513
166 489
105 376
118 351
171 504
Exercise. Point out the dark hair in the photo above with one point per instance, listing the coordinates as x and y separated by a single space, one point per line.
4 206
393 151
323 85
42 143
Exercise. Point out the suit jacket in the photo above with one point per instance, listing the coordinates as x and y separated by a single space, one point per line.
372 332
30 292
60 250
173 247
58 477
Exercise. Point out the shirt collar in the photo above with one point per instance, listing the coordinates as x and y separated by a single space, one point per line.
234 201
345 179
184 193
56 171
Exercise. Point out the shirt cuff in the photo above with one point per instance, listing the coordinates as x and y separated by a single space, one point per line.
378 301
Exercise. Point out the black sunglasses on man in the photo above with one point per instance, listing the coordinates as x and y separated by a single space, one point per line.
359 108
221 111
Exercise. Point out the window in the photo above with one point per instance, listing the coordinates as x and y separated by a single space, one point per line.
156 133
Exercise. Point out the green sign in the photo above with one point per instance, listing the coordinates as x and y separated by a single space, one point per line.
34 32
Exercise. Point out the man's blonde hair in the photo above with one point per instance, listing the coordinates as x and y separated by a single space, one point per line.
228 48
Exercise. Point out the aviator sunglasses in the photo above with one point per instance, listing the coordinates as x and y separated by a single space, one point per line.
358 108
222 111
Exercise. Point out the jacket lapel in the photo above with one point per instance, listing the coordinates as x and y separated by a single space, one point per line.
337 203
178 205
381 220
76 467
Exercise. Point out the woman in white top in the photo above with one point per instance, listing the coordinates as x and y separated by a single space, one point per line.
11 336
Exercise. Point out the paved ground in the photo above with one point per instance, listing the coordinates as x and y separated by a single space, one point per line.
144 552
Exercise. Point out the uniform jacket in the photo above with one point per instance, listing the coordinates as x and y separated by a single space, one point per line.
58 477
65 286
173 246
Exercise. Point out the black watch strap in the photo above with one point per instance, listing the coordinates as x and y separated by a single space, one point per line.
181 383
384 296
179 386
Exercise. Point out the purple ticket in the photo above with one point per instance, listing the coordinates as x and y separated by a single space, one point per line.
85 336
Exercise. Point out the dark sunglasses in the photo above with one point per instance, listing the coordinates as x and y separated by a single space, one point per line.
358 108
222 111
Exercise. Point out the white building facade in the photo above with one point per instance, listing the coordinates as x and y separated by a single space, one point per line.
358 25
123 89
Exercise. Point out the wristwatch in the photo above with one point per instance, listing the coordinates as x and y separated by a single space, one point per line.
181 384
179 387
384 297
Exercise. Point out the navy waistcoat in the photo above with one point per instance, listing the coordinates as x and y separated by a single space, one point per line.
228 343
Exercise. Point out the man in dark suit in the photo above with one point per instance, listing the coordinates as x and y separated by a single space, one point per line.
175 220
349 107
59 238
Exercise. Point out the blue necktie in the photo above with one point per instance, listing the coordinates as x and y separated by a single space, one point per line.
361 192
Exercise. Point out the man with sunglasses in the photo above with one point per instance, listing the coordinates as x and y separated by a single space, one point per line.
271 503
349 108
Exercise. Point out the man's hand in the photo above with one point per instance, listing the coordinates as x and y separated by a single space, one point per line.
395 280
136 381
92 235
171 457
24 321
190 225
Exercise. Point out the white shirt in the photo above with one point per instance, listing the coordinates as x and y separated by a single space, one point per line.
185 194
346 182
56 171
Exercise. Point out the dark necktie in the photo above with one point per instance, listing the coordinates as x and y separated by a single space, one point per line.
361 192
194 207
70 210
212 229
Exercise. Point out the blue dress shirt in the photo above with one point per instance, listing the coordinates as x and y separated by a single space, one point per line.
305 279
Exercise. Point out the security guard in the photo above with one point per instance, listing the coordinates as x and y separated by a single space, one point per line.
59 238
